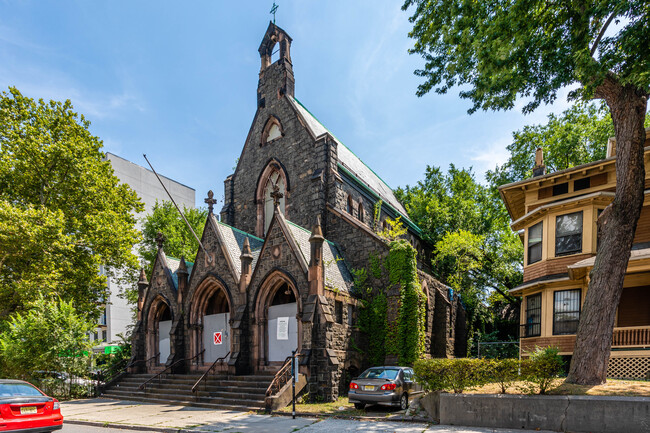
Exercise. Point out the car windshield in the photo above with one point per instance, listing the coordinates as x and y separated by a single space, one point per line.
18 390
380 373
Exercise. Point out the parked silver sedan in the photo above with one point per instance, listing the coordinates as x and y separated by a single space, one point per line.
392 386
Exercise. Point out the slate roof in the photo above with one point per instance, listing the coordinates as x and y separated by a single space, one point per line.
337 276
351 162
172 264
234 240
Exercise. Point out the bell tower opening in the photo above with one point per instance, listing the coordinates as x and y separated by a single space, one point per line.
276 71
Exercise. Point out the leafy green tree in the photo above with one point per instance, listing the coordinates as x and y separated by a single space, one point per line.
179 241
578 136
63 213
499 51
476 252
50 336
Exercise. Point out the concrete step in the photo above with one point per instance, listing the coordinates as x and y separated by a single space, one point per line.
217 391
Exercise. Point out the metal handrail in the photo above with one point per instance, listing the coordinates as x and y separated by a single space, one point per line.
159 375
116 371
205 375
280 379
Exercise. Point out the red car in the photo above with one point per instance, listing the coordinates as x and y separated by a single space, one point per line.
25 409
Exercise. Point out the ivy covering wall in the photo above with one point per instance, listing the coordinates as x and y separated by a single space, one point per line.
404 336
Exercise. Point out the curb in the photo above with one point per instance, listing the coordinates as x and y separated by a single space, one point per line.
134 427
354 417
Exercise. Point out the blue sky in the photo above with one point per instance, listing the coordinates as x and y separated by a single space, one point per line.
177 81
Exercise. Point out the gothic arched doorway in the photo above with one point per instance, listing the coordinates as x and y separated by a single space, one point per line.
278 328
210 322
158 331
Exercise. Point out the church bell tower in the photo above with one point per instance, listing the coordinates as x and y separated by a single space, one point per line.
276 78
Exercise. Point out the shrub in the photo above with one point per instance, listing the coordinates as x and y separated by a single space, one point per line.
454 375
542 367
504 372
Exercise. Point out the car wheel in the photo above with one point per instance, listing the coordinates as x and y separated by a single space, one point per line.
359 406
404 402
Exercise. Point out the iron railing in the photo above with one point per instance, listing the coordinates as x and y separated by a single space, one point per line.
282 377
164 372
205 375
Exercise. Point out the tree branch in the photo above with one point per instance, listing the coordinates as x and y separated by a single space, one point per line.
602 32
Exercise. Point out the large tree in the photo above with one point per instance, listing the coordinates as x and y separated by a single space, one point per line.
63 213
501 50
476 252
179 241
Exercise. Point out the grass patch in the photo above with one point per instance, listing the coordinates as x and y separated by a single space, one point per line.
613 387
340 407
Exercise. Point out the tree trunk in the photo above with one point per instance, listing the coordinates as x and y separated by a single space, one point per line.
616 228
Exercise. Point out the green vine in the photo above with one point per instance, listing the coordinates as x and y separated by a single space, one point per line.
402 268
377 214
404 335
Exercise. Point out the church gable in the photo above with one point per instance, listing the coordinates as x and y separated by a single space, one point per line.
218 261
280 252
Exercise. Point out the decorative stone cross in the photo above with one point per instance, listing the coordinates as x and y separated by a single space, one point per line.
160 240
211 201
276 194
273 10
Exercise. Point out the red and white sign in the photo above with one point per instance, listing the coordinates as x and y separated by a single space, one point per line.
217 338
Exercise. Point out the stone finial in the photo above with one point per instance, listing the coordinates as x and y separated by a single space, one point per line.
160 240
246 250
182 266
276 195
317 232
210 201
143 277
539 169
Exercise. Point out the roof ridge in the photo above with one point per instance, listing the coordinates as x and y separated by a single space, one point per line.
342 144
240 231
306 230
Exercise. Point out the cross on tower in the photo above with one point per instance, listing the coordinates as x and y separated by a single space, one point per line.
276 194
273 9
160 240
211 201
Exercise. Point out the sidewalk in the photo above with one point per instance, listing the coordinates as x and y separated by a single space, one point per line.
165 418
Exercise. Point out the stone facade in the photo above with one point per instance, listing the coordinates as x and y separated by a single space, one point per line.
280 286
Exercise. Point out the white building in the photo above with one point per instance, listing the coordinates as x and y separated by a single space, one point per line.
117 316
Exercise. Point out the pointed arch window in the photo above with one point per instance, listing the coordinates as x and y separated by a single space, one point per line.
360 211
272 130
275 178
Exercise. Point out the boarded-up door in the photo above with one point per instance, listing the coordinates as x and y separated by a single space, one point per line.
164 346
216 346
283 331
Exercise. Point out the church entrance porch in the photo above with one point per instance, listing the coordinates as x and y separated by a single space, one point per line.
277 333
210 324
160 325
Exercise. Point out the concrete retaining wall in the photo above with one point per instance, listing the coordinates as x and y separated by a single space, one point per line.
554 412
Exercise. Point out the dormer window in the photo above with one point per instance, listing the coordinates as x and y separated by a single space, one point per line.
568 234
535 243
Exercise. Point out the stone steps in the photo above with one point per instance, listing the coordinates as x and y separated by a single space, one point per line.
217 391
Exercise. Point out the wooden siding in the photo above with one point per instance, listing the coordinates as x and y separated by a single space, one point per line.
634 307
643 226
552 266
564 342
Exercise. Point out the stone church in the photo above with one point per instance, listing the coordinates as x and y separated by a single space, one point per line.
301 211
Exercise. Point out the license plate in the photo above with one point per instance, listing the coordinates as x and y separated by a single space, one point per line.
369 388
27 410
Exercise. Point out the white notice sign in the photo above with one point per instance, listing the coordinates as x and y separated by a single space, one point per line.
283 328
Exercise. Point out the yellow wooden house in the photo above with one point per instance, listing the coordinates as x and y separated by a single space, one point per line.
555 215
